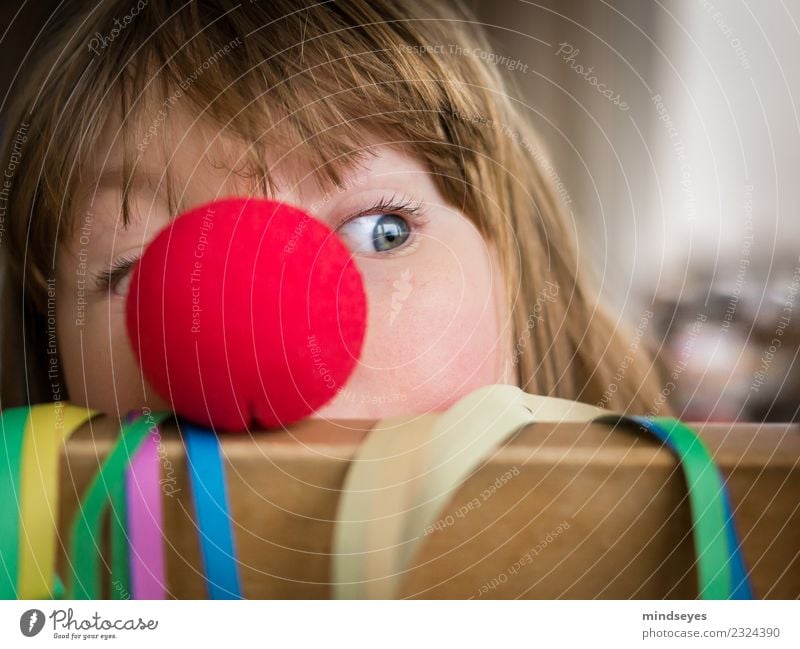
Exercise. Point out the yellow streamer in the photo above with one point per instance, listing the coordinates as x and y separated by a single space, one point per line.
49 425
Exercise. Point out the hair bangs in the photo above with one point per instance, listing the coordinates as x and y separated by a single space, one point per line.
324 99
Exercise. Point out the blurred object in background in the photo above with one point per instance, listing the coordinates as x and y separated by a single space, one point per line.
735 352
681 176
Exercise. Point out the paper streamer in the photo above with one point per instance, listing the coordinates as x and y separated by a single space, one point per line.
741 588
209 491
12 432
407 469
145 522
86 537
47 428
120 567
708 510
721 570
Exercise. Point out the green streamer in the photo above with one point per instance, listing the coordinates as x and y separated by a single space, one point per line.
706 500
87 525
12 431
708 508
120 570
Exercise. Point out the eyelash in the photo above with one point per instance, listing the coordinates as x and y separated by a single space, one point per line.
411 210
107 279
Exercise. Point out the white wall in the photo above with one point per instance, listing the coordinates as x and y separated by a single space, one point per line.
728 74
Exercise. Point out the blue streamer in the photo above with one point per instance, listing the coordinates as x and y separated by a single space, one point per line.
210 497
740 583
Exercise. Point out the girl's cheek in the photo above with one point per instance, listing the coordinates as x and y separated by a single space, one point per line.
449 348
432 337
100 368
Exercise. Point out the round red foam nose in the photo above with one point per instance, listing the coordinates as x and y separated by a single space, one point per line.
246 313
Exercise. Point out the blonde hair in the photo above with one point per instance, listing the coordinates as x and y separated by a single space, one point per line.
332 76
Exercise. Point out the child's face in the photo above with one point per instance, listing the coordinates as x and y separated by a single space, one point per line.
437 327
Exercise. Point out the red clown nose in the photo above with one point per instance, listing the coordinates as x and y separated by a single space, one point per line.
246 313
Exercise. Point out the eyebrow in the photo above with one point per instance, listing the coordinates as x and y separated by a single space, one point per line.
112 177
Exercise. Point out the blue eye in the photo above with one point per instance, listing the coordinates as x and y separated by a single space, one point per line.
375 232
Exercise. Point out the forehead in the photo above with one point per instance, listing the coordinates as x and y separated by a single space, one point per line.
179 153
164 139
176 148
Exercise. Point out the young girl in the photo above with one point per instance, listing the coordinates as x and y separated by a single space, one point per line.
387 120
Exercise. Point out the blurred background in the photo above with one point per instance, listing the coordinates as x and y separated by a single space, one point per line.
673 135
674 128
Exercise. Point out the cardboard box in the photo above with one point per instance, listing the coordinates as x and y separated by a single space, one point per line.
591 512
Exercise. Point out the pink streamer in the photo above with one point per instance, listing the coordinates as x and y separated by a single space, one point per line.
145 523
